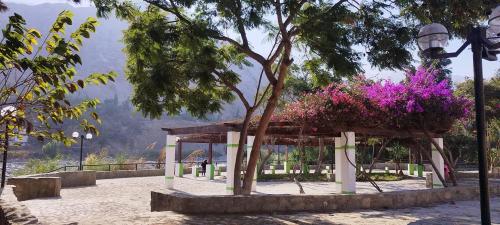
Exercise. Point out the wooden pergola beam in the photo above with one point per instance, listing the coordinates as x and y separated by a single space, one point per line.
286 132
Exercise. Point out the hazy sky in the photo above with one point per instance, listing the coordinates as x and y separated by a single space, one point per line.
461 66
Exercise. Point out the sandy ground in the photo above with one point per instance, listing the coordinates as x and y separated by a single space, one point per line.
126 201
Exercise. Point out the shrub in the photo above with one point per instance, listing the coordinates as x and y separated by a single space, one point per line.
410 104
35 166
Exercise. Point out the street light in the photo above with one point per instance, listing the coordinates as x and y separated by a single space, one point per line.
485 42
6 111
88 136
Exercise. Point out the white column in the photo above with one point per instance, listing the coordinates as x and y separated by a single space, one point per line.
179 166
439 162
210 171
170 161
345 173
250 140
193 170
339 155
232 148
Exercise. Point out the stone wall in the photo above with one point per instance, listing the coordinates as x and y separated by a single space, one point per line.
26 188
379 166
128 173
188 204
12 211
462 175
73 178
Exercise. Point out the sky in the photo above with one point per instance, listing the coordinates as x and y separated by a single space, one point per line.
461 66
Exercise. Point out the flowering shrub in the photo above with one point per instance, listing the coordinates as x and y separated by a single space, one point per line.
419 102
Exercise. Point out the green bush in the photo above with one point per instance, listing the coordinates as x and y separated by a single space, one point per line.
322 177
381 177
289 177
35 166
96 159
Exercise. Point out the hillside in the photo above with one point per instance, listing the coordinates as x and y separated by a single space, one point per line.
103 53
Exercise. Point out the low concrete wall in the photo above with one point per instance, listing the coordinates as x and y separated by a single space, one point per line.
190 204
379 166
26 188
392 166
462 175
14 212
128 173
73 178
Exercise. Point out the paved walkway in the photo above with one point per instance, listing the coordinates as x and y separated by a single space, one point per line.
126 201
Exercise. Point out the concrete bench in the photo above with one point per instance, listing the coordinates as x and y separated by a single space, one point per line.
26 188
73 178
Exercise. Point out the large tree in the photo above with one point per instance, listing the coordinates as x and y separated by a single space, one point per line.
183 53
492 108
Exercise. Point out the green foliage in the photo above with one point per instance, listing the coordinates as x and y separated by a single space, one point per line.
98 159
462 140
36 166
457 16
52 148
289 177
491 95
41 72
311 155
123 128
380 177
323 178
166 41
398 151
165 68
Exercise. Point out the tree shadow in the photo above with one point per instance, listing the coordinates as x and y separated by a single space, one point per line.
275 219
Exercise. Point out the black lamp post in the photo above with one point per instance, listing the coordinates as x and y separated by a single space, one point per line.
88 136
485 42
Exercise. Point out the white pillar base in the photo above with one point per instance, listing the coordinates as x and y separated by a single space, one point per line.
345 173
208 172
250 140
233 139
170 161
439 162
193 171
178 167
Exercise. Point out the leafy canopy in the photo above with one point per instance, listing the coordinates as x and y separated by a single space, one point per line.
38 74
185 54
171 68
411 104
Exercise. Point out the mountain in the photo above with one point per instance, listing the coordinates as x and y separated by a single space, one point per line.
103 53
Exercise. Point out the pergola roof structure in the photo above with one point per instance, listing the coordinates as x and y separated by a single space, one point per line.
285 133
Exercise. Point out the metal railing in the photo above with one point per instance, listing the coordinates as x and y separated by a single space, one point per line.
113 166
123 166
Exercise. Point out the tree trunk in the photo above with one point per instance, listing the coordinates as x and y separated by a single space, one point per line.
239 154
303 162
264 160
320 156
445 157
429 157
301 190
379 153
266 116
286 154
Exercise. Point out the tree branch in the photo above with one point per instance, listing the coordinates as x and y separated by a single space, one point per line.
240 25
279 16
233 88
